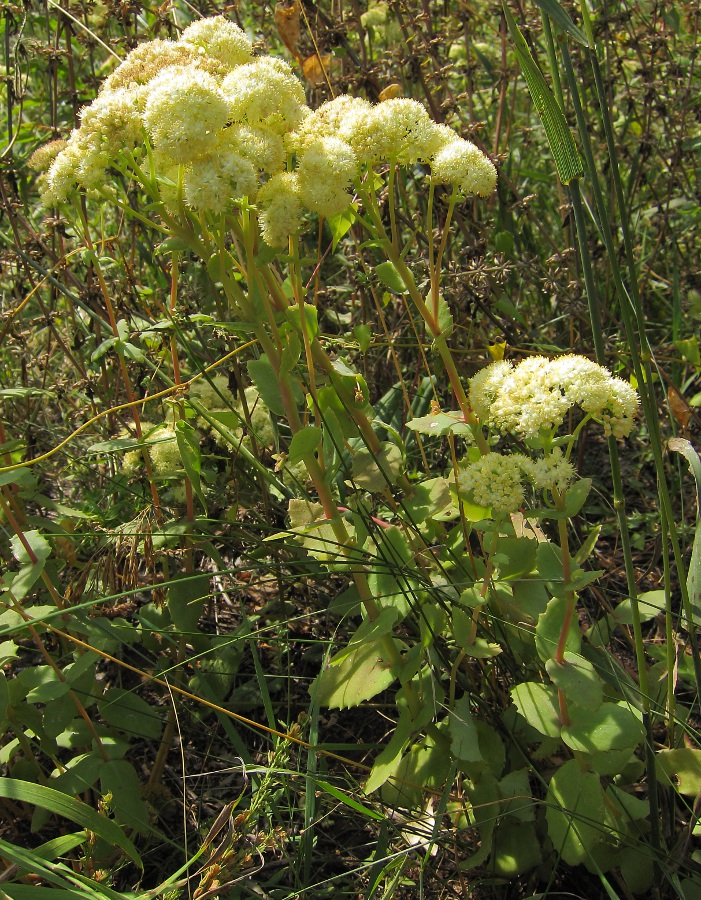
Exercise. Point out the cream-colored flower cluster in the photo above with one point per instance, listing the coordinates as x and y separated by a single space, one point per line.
223 125
498 481
537 393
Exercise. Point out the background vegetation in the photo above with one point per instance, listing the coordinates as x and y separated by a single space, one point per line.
160 699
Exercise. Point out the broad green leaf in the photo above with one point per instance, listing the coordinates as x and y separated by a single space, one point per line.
4 700
562 146
19 476
266 383
549 560
363 335
562 18
547 631
124 710
440 423
387 763
424 766
576 496
311 319
612 726
185 600
538 705
189 449
42 684
304 442
464 743
517 800
341 223
75 810
484 812
481 649
515 849
38 544
429 499
515 556
362 675
370 630
390 277
374 472
575 812
650 604
118 778
577 679
683 768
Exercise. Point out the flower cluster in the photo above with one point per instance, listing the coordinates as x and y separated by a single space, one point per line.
220 125
536 394
498 481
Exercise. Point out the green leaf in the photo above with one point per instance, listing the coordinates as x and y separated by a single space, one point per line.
516 556
576 496
362 675
561 17
464 743
562 146
693 581
387 763
341 223
363 335
611 726
127 712
38 544
75 810
425 766
186 599
374 472
577 679
189 449
575 812
682 768
538 705
311 319
43 684
118 778
650 604
266 383
515 849
348 801
390 277
547 631
440 423
21 476
304 442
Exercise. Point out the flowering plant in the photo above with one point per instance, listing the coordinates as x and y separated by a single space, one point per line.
448 568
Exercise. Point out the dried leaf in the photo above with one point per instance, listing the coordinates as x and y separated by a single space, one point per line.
679 408
315 69
287 24
391 91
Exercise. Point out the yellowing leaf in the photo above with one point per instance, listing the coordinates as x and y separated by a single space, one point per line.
316 68
287 24
390 92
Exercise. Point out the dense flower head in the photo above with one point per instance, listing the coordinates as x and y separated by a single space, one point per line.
218 39
399 129
498 481
185 112
326 168
495 481
217 179
339 118
281 207
147 60
265 92
536 394
264 148
459 162
214 125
